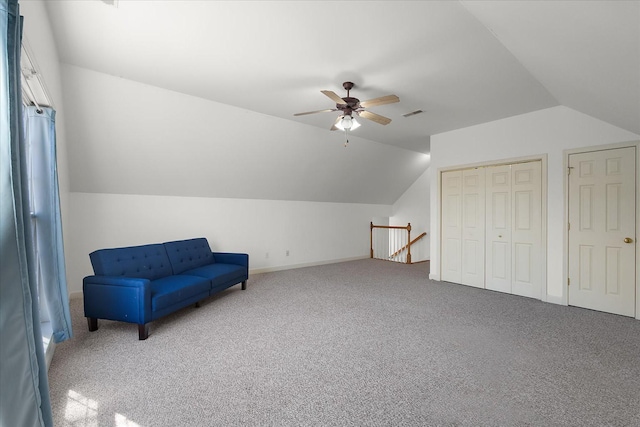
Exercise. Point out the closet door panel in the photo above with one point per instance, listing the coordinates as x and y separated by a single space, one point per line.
498 228
451 226
473 223
526 237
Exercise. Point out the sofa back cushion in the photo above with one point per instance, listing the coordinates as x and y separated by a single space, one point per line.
188 254
146 262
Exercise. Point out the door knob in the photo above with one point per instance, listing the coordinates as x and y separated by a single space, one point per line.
500 235
628 240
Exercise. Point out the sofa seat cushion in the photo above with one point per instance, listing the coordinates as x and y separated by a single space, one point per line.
220 274
170 290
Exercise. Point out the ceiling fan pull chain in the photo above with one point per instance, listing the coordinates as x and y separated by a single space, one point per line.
346 137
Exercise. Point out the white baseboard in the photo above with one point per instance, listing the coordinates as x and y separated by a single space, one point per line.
434 276
306 264
555 300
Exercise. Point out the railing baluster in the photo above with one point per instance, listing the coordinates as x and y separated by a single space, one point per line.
408 245
393 245
371 239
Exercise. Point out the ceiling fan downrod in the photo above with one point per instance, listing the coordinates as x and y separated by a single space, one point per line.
348 86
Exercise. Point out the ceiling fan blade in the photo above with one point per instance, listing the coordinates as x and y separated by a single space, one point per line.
374 117
389 99
313 112
334 96
335 123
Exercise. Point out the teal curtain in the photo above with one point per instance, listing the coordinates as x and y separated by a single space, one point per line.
40 135
24 389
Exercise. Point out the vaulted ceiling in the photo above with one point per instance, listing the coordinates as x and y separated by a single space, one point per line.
461 62
197 98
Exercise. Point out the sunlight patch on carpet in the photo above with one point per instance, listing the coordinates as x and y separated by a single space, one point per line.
122 421
80 411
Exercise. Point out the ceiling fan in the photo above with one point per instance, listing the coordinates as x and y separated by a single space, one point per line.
350 106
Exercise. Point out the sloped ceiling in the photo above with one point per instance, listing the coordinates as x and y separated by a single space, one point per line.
586 53
462 63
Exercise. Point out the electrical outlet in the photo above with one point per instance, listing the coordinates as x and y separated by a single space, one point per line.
287 252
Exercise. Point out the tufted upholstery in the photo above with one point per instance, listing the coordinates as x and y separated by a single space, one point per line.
189 254
146 262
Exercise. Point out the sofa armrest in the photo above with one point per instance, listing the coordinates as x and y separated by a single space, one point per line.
232 258
127 299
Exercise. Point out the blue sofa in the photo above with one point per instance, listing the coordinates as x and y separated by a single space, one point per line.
140 284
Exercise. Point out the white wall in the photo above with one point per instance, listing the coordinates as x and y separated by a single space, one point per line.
549 131
413 207
313 232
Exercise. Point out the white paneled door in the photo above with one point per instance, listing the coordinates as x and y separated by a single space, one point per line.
526 229
602 215
463 227
514 229
498 225
451 194
473 240
492 228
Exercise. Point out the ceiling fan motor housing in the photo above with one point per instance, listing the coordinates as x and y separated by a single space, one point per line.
352 104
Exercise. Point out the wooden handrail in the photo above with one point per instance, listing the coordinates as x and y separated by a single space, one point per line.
396 253
400 227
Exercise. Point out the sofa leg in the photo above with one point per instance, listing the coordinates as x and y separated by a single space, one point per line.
92 322
244 285
198 304
143 331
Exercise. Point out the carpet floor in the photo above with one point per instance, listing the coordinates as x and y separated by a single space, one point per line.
361 343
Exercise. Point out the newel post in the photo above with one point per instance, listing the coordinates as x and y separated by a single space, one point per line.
371 238
408 243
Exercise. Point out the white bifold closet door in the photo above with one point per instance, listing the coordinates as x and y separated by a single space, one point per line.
514 229
463 241
492 228
498 223
451 204
472 263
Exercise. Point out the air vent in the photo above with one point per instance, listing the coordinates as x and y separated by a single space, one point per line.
413 113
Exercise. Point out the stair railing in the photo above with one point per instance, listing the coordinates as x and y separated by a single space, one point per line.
407 246
387 239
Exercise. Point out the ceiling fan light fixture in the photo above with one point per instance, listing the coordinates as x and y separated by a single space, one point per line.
347 123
